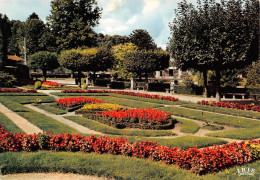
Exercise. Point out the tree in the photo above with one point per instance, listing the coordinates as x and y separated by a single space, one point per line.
45 61
72 59
97 59
215 36
119 53
93 59
13 47
5 30
253 76
110 41
142 39
71 22
33 31
146 62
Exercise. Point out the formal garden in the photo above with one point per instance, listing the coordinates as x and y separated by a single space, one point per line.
117 119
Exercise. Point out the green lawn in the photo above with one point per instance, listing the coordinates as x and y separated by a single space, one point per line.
213 118
188 126
108 166
234 112
9 125
52 108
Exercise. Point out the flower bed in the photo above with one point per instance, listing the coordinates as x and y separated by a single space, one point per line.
18 90
199 161
74 103
151 96
93 108
49 84
135 118
45 84
230 105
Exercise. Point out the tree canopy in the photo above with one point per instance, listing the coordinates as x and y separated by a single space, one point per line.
44 60
71 22
142 39
5 30
215 36
146 62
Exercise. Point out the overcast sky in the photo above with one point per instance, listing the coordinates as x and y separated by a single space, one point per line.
118 16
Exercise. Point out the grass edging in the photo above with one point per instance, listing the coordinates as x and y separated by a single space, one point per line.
9 125
188 125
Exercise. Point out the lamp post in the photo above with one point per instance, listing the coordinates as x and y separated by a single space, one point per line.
24 43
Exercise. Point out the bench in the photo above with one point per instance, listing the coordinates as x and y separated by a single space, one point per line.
234 95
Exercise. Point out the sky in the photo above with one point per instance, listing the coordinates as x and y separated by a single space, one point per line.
118 16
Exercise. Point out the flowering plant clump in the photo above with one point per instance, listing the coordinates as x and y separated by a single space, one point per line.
18 90
151 96
102 107
231 105
49 84
148 115
199 161
74 101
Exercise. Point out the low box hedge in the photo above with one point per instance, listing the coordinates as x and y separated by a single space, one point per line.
130 124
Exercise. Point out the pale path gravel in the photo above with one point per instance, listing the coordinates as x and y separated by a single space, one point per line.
61 119
22 123
49 176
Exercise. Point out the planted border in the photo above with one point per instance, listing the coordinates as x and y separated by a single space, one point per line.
199 161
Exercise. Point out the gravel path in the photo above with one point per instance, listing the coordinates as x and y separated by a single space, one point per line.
49 176
22 123
63 120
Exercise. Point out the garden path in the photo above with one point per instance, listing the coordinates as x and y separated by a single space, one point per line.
21 122
63 120
49 176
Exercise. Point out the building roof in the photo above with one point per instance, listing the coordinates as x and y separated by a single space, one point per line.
14 58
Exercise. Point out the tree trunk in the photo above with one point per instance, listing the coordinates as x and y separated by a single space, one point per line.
205 84
79 79
218 98
44 74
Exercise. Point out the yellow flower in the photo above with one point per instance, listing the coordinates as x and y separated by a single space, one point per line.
102 107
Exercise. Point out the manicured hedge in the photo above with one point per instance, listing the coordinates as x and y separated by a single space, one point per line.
193 90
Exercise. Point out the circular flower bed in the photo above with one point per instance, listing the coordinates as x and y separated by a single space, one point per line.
135 118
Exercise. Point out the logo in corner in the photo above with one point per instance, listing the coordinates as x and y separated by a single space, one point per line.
246 171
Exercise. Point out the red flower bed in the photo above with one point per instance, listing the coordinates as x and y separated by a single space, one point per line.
148 115
45 83
18 90
74 101
230 105
151 96
50 84
199 161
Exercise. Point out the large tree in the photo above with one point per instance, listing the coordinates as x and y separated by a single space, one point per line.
71 22
45 61
142 39
110 41
146 62
34 28
215 36
5 30
119 53
97 59
13 47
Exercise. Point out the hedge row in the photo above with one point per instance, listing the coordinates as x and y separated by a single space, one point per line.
128 124
199 161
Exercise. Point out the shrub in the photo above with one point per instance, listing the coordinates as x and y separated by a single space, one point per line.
38 85
43 139
6 80
85 86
